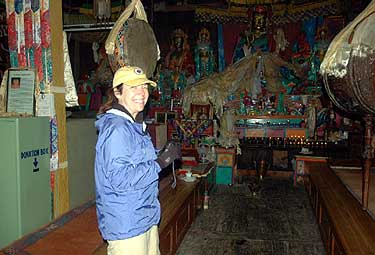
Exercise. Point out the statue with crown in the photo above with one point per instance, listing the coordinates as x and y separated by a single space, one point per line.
204 55
256 37
179 66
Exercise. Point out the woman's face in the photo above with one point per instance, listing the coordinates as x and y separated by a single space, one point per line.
133 99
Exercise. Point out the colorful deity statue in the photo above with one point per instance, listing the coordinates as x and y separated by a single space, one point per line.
179 65
179 57
256 37
204 55
322 42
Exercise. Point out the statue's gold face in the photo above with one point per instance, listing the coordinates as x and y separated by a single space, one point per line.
204 35
178 41
204 54
259 22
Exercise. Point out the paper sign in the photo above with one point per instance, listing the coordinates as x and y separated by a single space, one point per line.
21 84
45 105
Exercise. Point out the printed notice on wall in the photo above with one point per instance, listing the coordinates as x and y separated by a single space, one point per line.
21 84
45 105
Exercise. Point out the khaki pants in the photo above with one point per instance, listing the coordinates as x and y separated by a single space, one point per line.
144 244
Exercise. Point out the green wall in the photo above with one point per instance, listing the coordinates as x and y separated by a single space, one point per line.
82 136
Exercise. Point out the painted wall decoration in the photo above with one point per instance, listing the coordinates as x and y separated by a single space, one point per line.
283 13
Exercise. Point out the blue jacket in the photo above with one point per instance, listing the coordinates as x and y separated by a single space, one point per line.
126 177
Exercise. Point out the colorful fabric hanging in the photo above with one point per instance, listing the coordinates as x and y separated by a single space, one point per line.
35 5
28 23
20 27
220 45
13 56
27 4
45 29
54 163
45 5
9 7
47 65
18 6
12 33
37 46
37 29
30 37
46 50
38 61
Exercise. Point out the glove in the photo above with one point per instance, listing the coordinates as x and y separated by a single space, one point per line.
170 152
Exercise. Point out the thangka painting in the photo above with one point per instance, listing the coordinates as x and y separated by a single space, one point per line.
29 36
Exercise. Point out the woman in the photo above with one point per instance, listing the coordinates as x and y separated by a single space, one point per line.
127 167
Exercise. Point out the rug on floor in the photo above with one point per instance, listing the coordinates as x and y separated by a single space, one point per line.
274 219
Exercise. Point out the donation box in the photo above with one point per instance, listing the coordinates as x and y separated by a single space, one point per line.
25 193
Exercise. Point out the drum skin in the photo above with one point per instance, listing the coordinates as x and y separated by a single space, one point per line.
355 92
135 45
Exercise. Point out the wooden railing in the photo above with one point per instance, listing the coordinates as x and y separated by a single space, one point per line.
345 227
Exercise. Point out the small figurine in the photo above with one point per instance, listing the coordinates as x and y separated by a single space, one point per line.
204 56
280 40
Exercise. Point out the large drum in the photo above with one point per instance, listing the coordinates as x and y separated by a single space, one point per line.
354 92
132 41
135 45
348 67
349 77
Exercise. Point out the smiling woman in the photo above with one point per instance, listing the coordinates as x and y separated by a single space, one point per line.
127 168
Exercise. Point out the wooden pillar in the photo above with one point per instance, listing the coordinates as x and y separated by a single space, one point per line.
61 192
368 156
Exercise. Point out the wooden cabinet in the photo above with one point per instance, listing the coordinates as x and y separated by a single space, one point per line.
178 213
166 240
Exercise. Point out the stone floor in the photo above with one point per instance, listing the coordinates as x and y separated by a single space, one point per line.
275 219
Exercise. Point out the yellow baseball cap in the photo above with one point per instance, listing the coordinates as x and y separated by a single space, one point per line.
131 76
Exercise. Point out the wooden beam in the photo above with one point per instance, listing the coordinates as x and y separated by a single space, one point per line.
367 154
61 192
